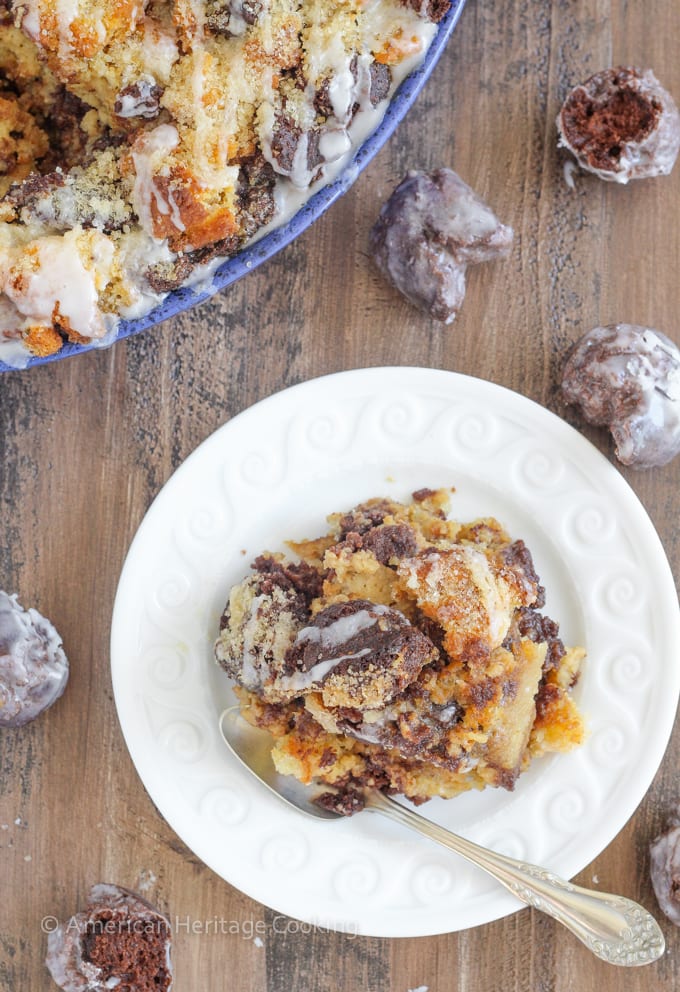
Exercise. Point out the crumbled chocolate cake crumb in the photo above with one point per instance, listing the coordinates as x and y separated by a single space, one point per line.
224 248
434 10
140 99
364 517
349 714
68 141
390 541
351 541
327 758
33 186
548 693
314 156
387 542
481 693
518 558
284 142
381 81
165 276
344 803
250 10
322 99
420 495
505 778
256 193
305 580
541 629
434 631
228 19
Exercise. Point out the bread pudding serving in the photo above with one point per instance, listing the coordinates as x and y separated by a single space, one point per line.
141 140
401 651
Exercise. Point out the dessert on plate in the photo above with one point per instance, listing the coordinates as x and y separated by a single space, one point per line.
140 142
402 651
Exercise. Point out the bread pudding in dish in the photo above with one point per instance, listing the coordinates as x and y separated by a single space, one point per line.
401 651
144 141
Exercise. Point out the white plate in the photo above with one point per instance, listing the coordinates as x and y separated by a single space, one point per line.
274 472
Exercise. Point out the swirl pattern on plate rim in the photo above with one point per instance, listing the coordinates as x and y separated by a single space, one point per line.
335 441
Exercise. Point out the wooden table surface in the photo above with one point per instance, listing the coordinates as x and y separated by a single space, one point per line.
87 444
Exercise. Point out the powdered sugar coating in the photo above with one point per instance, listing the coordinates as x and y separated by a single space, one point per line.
627 377
432 227
621 124
33 667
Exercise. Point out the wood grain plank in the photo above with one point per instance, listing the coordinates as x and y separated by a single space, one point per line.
307 956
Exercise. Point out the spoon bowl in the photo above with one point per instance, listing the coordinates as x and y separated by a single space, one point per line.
614 928
253 748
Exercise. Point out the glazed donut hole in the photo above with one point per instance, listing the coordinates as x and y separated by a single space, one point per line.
621 124
427 233
627 378
33 667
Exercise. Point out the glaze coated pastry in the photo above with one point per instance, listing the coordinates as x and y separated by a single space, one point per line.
430 229
140 143
357 654
118 942
621 124
33 667
665 869
627 378
416 661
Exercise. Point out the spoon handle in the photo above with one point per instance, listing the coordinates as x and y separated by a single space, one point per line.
614 928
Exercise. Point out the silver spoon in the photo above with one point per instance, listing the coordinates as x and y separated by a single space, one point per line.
614 928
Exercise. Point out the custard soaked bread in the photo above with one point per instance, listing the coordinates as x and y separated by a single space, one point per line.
139 141
403 651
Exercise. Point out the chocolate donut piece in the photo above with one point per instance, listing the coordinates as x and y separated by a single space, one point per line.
430 229
262 618
628 378
119 941
359 654
665 869
33 666
621 124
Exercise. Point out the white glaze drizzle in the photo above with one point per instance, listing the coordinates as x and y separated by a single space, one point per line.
148 154
160 53
59 279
